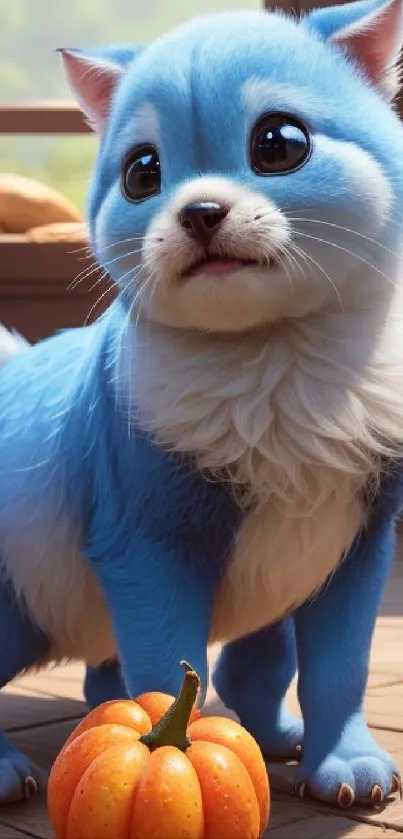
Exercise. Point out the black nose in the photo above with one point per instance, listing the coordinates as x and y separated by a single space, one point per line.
202 219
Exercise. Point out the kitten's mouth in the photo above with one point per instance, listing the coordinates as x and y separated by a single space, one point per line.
218 266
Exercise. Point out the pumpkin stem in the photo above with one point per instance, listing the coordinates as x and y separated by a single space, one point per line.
171 729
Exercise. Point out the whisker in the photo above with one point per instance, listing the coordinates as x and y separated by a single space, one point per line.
130 240
96 266
97 302
87 271
132 274
301 253
293 260
285 268
82 249
87 249
136 304
289 212
107 291
322 270
101 279
346 250
344 229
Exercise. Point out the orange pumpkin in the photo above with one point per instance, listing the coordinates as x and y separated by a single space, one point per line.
127 773
157 704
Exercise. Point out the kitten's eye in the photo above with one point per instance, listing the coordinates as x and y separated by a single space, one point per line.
279 144
141 174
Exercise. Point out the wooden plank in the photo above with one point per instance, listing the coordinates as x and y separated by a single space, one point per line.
21 708
388 817
37 317
31 817
282 777
45 288
392 742
383 703
58 263
330 827
384 707
287 811
392 601
8 832
64 681
385 658
49 117
43 744
28 817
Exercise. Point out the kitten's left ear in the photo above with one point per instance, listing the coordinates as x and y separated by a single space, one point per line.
94 76
371 32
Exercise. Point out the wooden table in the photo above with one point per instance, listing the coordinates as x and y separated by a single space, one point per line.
40 710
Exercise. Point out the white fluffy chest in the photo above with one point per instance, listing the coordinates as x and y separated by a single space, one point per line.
280 560
298 416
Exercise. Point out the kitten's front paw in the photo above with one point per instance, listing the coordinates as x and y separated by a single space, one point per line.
278 732
19 778
365 779
281 739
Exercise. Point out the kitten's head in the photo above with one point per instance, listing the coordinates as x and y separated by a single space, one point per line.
250 165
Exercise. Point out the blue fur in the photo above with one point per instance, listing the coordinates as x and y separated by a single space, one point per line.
158 534
104 683
270 660
202 75
338 747
78 454
22 644
333 635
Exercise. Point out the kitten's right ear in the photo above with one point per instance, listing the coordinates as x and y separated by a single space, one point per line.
94 76
371 32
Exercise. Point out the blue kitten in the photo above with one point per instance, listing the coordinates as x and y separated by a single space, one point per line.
216 459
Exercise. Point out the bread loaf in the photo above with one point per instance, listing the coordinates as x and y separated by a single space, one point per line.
59 232
27 203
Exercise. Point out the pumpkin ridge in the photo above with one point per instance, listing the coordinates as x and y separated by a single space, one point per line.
229 733
100 786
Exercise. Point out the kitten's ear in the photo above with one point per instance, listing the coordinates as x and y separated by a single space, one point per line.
371 31
93 77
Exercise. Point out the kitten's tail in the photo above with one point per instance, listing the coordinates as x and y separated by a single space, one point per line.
11 343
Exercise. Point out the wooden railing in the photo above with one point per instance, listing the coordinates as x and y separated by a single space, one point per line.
42 118
38 293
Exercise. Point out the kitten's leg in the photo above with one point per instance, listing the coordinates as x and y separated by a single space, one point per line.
252 678
21 646
161 605
104 683
341 761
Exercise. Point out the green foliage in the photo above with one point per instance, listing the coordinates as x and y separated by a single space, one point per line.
30 32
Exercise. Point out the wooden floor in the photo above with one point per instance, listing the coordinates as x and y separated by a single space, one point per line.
39 712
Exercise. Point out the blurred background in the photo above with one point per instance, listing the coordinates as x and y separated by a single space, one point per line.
30 32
